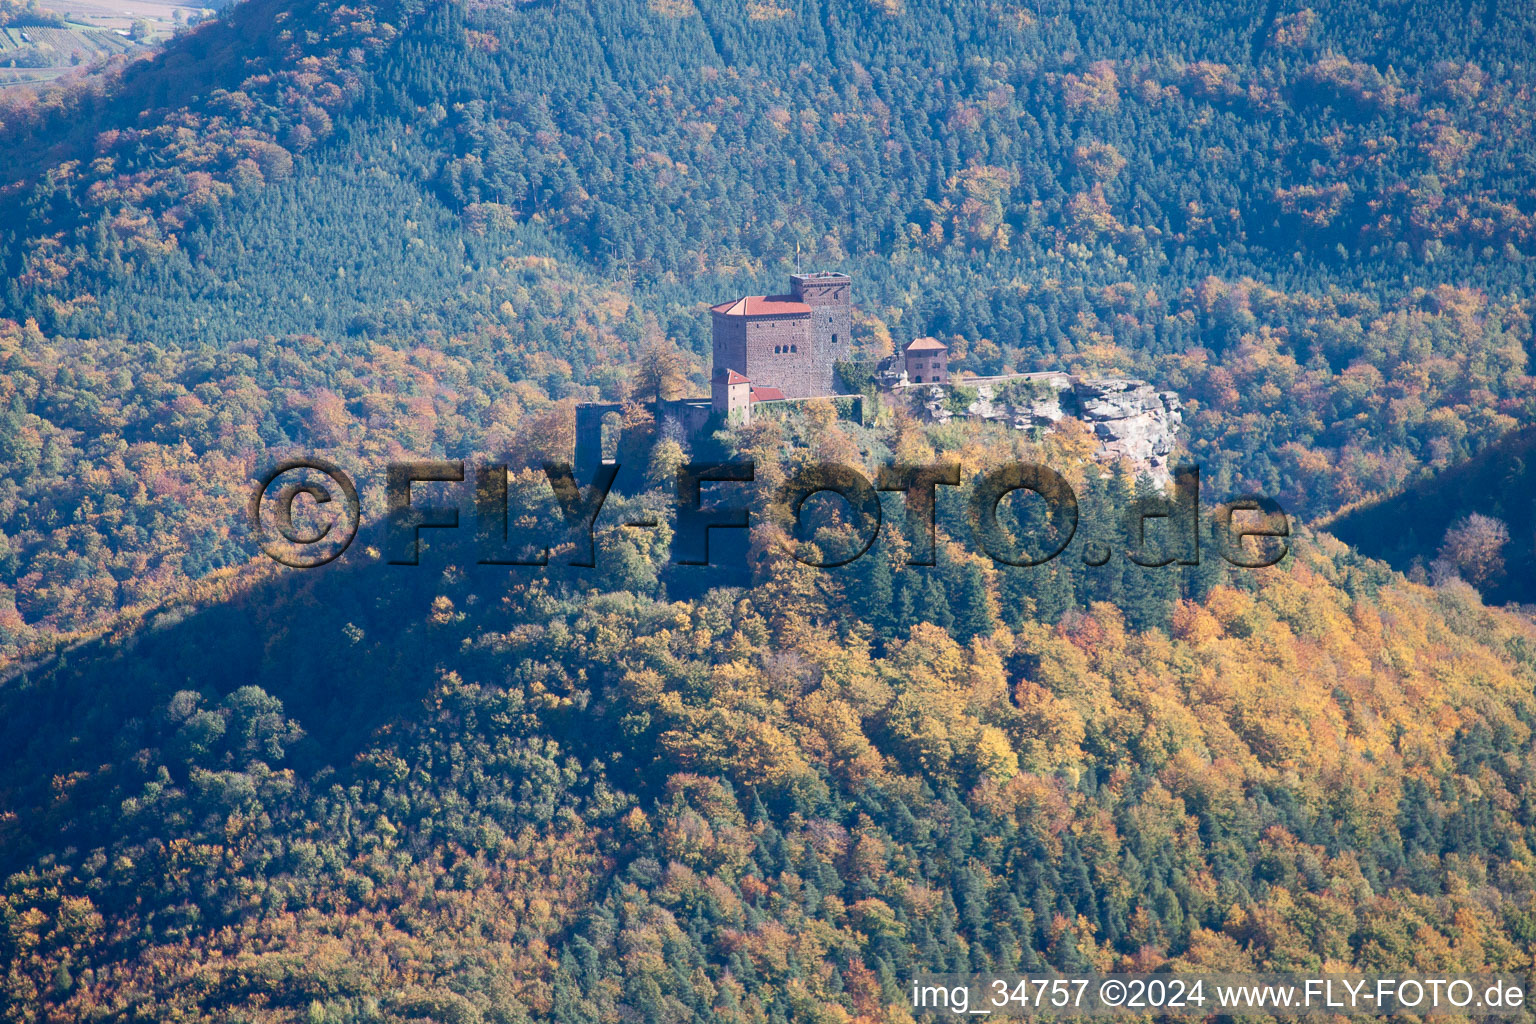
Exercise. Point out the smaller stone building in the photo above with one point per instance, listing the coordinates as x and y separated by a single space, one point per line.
731 396
927 361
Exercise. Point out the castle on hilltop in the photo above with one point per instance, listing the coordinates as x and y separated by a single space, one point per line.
782 349
766 348
776 347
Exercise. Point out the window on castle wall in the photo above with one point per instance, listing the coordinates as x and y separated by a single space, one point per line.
794 348
834 339
610 428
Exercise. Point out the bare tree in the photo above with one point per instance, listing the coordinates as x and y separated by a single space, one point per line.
1473 550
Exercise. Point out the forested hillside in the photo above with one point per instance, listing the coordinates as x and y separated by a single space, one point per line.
1409 529
437 794
422 226
763 793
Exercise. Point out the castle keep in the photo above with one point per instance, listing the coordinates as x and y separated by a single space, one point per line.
782 344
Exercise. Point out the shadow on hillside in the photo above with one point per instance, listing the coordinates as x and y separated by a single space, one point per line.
1409 527
347 648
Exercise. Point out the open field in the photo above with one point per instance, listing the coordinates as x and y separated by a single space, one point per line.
121 14
96 29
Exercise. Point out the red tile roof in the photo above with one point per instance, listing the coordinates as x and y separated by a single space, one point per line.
927 345
762 394
732 377
762 305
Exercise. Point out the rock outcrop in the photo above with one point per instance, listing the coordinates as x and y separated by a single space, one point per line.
1131 419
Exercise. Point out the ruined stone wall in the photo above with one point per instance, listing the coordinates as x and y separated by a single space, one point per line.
589 433
687 416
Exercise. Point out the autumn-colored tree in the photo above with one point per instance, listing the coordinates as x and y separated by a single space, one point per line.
1473 550
661 368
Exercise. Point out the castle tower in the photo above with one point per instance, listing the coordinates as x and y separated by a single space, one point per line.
730 396
767 339
788 342
827 294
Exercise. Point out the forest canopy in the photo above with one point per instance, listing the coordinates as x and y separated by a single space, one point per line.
399 230
1308 223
